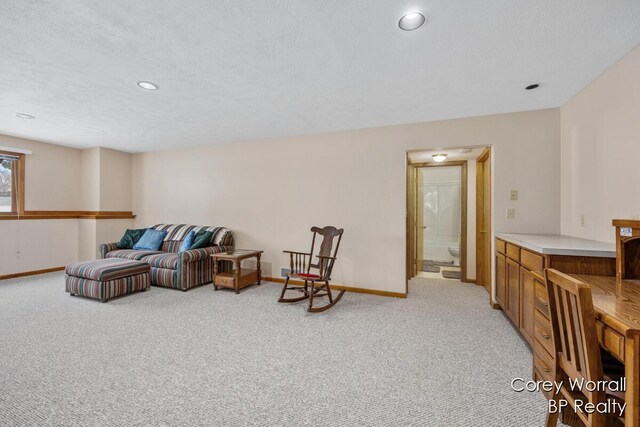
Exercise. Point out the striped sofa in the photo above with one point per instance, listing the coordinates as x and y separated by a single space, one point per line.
173 269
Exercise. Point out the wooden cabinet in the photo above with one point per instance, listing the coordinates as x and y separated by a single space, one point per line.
520 278
501 280
520 286
513 291
526 304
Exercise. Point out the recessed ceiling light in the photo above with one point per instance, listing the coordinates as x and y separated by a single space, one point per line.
25 116
533 86
411 21
439 157
148 85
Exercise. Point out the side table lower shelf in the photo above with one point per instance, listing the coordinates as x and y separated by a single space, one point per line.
238 277
229 279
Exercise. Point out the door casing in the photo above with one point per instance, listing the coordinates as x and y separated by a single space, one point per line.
483 220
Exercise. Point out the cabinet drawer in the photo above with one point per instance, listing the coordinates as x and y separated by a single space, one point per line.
541 298
501 246
531 260
513 252
225 280
611 340
543 363
537 376
542 332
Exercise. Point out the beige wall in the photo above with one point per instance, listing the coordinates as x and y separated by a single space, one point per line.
115 180
65 179
92 232
600 151
53 181
53 174
270 192
36 245
106 180
87 242
90 173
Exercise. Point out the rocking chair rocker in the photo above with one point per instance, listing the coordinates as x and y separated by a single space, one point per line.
301 264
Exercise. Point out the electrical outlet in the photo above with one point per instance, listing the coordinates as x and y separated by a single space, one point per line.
511 213
284 271
513 195
583 220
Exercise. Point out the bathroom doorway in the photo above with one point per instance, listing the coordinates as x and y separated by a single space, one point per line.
447 243
441 232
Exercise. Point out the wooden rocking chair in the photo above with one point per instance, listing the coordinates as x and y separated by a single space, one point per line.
301 264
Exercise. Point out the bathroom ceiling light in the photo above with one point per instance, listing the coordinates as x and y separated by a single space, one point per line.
25 116
439 157
411 21
148 85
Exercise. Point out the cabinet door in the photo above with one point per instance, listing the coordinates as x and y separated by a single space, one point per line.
501 280
526 304
513 291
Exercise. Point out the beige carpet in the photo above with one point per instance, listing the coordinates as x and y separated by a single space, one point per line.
439 358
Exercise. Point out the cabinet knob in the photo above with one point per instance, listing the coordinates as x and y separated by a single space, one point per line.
544 366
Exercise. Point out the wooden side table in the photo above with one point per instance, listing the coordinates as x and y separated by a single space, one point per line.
239 277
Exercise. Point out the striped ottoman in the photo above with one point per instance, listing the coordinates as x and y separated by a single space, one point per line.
106 278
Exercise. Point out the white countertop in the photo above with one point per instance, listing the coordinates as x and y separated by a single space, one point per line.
555 244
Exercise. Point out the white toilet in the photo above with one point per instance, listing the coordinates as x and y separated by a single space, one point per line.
455 252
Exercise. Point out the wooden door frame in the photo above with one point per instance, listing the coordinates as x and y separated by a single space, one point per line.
410 220
481 199
412 240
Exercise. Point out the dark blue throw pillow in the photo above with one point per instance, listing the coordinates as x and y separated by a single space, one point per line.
130 238
202 240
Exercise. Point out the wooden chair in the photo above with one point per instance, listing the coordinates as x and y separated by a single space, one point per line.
573 324
301 264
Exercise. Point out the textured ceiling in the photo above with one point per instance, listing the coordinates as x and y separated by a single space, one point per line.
238 70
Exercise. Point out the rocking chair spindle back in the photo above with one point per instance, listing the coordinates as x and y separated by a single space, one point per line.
302 263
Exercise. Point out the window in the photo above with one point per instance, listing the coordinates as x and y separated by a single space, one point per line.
11 183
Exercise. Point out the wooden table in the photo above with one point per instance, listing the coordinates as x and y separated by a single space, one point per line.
239 277
617 306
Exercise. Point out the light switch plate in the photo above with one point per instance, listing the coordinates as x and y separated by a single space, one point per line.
513 195
511 213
